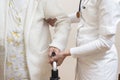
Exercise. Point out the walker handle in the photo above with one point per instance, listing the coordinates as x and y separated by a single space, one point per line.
54 71
53 54
54 63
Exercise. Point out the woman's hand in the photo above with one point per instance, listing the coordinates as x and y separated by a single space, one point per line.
51 21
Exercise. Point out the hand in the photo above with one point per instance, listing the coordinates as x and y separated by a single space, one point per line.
51 21
59 58
52 49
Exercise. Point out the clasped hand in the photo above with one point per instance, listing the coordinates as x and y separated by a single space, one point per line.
59 56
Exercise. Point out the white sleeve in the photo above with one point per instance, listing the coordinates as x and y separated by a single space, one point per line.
62 25
109 17
99 45
73 18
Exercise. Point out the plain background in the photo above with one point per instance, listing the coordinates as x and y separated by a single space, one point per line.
67 69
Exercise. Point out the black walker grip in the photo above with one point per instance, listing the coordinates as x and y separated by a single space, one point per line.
54 73
53 54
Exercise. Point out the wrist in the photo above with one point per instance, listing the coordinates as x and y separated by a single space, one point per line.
67 53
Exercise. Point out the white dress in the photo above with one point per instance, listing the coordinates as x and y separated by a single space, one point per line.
96 54
16 66
25 38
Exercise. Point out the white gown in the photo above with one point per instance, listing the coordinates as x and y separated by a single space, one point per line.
96 54
25 38
16 66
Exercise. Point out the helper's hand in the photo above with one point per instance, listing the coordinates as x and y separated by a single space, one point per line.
59 58
51 21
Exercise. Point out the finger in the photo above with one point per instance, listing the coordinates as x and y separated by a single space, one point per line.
51 49
51 60
48 20
54 20
51 21
59 63
56 50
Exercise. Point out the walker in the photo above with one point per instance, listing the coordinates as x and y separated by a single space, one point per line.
54 71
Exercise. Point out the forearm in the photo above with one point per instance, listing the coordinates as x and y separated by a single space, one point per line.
97 46
62 25
62 28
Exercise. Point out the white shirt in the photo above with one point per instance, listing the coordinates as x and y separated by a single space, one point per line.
95 52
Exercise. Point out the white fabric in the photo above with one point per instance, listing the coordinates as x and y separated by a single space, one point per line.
96 53
16 67
35 35
73 17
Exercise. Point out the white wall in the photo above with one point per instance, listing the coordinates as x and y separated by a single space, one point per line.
67 69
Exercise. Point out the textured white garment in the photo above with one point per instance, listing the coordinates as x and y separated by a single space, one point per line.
36 35
16 66
95 52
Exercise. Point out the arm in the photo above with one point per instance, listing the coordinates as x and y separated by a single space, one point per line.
73 18
53 10
109 16
107 29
